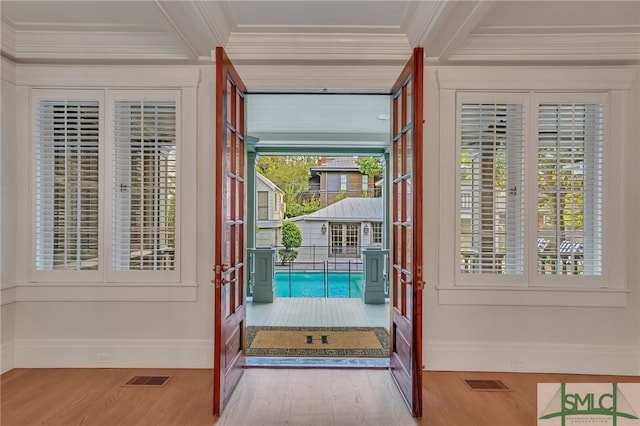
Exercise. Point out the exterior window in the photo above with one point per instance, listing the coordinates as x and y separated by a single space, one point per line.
344 239
263 205
570 188
145 186
67 167
343 182
365 183
376 233
557 228
333 182
491 188
106 185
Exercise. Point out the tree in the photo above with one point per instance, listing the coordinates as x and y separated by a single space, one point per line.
305 207
370 166
291 174
291 239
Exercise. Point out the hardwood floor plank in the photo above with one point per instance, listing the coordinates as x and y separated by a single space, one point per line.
68 397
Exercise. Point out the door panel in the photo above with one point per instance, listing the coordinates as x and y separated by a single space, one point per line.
407 280
229 312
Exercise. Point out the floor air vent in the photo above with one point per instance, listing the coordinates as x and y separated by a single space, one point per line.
148 381
486 385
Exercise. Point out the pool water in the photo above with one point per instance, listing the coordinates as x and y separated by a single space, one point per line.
312 284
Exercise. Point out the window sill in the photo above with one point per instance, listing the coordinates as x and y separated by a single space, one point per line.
101 292
531 296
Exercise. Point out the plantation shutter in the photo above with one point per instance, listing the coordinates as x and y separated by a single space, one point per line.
570 155
490 191
144 199
66 185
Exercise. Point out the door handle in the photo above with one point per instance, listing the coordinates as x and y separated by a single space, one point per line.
218 281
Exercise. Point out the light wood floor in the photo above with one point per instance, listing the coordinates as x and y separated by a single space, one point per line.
324 397
307 311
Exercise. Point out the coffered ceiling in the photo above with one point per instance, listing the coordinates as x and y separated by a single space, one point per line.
320 30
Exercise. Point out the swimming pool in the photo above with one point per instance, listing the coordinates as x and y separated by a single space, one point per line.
312 284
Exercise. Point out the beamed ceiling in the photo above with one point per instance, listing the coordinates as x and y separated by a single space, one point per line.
304 34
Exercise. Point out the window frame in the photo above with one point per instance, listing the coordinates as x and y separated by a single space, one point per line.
617 84
113 96
530 278
581 281
479 279
38 275
262 208
106 275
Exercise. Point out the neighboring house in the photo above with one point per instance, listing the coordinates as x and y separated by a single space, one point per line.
270 208
338 178
342 229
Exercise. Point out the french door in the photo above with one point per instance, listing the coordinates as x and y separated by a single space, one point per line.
229 269
406 271
406 250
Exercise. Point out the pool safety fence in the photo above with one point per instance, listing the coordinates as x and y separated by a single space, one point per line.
338 279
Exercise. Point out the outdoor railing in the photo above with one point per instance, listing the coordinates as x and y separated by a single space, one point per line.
313 268
348 267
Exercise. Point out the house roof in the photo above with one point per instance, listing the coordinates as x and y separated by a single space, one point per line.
267 182
340 163
350 209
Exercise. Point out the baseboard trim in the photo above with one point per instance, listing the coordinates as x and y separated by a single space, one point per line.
532 358
438 356
7 356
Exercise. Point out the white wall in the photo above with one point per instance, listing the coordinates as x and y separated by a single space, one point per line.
7 213
456 337
525 338
89 330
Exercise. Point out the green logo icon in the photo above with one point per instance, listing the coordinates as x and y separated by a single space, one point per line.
567 404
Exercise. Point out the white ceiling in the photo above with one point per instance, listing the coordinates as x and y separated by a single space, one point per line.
188 30
320 32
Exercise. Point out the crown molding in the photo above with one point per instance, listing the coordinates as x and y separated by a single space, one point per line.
108 76
587 47
425 19
196 26
218 19
8 37
97 45
315 47
556 29
536 78
176 30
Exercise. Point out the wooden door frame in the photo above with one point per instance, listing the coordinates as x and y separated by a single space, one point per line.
225 276
417 62
412 72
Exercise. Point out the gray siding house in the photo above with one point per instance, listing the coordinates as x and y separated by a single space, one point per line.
341 230
270 209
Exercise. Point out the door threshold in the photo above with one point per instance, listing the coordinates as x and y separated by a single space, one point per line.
315 362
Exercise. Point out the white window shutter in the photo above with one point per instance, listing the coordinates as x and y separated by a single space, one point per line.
144 185
570 161
491 188
67 161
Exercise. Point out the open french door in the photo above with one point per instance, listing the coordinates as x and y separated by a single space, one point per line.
229 269
406 205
